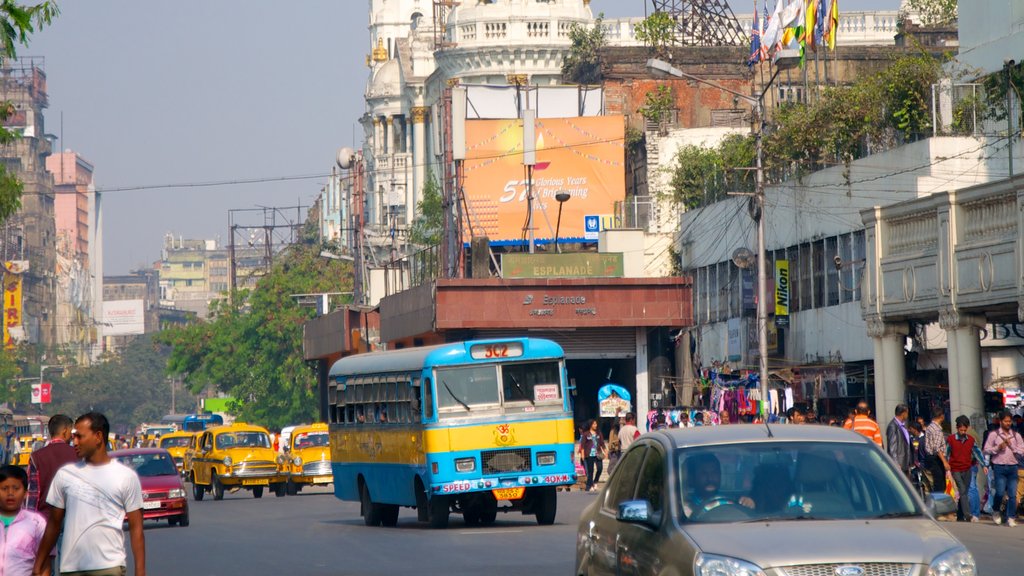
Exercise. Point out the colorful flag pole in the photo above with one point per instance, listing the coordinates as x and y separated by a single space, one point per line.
756 30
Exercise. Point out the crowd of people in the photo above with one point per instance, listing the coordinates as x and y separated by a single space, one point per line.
923 450
67 511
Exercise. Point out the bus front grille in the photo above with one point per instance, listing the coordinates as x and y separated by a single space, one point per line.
503 461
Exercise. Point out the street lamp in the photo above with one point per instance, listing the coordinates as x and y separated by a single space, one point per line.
784 59
562 198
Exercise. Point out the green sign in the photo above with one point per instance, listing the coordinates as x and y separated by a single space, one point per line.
576 265
217 404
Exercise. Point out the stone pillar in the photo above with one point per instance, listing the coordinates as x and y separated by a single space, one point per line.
890 370
685 372
963 351
419 155
643 381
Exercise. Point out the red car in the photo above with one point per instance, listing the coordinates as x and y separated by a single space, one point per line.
163 494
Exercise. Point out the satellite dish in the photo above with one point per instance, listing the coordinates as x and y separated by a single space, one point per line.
743 258
346 157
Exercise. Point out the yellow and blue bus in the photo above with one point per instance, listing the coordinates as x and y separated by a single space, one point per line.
469 427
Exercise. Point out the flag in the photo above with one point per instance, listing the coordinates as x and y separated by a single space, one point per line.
810 18
832 24
773 31
756 29
792 22
819 24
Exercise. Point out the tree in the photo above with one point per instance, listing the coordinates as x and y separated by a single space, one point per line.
583 63
17 24
657 32
251 347
935 12
429 224
657 104
703 175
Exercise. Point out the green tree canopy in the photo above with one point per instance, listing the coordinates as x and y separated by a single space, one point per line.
583 63
429 224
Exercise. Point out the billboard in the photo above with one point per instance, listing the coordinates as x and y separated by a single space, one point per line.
124 317
583 157
13 329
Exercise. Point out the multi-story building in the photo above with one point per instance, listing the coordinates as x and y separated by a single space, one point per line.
194 273
132 306
29 236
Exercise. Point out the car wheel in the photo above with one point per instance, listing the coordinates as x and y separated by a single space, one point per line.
547 505
388 514
292 488
218 488
371 513
198 492
172 521
279 489
439 509
183 520
257 492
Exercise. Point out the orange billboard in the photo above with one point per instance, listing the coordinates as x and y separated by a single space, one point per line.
582 157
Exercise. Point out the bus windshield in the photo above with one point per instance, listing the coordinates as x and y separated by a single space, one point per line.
531 382
460 389
530 386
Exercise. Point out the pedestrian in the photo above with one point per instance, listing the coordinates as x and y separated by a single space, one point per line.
981 462
45 462
795 416
723 417
592 450
935 448
1005 449
962 455
23 527
628 432
897 440
862 423
614 446
91 499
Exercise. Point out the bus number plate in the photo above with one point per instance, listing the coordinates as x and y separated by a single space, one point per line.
456 487
509 493
496 351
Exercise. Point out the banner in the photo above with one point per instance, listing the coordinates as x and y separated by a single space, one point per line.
614 400
42 393
13 329
782 292
124 317
582 157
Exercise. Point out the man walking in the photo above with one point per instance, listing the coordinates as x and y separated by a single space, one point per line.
45 462
935 463
897 440
962 456
1004 447
92 499
628 432
862 423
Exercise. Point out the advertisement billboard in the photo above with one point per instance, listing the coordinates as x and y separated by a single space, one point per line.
12 282
123 317
582 157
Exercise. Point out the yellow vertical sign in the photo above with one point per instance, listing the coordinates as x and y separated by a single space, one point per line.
12 305
782 292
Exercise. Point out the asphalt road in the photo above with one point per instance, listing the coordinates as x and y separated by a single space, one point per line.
315 534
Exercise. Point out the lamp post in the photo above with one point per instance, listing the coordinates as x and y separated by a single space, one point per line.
562 198
783 59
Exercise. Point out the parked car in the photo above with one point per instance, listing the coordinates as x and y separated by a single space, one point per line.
751 499
176 443
163 494
236 456
309 457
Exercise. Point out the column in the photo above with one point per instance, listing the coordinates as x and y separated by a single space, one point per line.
643 381
684 360
963 351
419 155
890 370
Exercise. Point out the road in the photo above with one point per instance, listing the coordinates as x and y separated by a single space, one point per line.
314 534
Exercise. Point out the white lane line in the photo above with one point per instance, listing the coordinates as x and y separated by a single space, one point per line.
486 532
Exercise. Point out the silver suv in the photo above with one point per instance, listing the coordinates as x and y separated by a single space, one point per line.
750 500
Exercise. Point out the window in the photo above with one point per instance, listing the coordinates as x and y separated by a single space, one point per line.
623 481
428 399
858 260
806 298
831 272
532 383
650 485
459 389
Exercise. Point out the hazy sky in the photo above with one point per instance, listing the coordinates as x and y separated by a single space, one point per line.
195 91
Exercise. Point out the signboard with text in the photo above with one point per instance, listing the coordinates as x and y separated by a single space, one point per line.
123 317
576 265
782 292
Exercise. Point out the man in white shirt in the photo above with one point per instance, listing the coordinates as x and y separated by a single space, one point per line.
628 432
92 498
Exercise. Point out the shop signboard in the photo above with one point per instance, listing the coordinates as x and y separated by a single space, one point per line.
735 342
782 292
12 284
582 157
575 265
613 400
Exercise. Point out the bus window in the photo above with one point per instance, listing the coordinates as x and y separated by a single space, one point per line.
428 399
532 382
459 389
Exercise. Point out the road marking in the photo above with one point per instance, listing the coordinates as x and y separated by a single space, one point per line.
487 532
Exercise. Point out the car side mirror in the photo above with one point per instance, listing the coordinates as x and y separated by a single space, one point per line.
634 512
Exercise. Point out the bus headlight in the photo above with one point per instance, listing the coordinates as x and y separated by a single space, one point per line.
545 458
465 464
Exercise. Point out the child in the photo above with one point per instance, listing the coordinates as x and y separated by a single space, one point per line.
23 529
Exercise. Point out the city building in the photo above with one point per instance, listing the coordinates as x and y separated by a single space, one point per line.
195 272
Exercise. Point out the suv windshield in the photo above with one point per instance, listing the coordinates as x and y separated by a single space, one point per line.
243 440
789 481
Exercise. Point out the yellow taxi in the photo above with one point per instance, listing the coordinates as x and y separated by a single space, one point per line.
236 457
309 457
176 443
26 445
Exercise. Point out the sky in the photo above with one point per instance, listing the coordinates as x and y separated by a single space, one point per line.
193 92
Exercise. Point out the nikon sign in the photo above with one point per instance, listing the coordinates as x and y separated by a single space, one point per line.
782 292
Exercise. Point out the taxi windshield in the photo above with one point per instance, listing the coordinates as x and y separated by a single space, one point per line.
789 481
311 440
175 442
243 440
146 465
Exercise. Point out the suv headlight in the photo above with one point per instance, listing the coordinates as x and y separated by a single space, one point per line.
297 461
465 464
176 493
545 458
713 565
955 562
227 460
